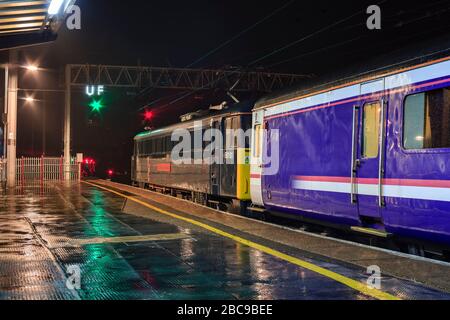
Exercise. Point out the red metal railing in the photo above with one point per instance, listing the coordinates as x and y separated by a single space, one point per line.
46 169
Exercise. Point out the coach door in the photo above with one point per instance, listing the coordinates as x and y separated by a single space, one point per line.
256 168
215 171
368 174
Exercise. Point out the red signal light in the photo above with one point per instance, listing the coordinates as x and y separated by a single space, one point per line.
89 161
148 115
110 172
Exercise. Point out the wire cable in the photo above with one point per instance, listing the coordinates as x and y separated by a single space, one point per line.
231 39
314 51
328 27
241 33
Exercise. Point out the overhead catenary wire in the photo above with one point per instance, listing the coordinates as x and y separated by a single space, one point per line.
426 6
352 40
308 36
224 44
161 99
238 35
281 49
186 94
314 51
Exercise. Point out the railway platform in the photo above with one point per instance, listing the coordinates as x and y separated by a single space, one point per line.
102 240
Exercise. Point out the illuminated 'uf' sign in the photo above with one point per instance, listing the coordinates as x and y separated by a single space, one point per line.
95 90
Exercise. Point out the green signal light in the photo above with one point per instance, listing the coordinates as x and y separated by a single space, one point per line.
96 105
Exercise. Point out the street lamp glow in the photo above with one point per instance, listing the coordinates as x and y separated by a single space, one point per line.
29 99
32 68
55 6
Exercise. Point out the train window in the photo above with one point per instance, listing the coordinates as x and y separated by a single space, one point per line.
426 121
229 132
152 147
235 132
145 148
157 145
246 124
258 137
163 145
193 150
148 149
371 129
168 145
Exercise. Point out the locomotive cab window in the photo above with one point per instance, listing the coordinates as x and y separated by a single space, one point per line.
426 121
371 129
229 133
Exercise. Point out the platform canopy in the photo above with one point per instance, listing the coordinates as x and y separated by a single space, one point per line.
30 22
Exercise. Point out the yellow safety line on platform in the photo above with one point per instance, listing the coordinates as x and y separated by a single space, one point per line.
356 285
130 239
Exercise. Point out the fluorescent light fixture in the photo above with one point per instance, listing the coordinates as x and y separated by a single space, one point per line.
29 99
55 6
32 68
68 3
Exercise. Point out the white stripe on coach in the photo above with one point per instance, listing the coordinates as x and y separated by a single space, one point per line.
255 182
394 191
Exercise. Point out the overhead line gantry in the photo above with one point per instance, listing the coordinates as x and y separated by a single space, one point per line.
139 77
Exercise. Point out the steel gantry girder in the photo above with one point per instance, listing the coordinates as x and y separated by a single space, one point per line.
78 75
177 78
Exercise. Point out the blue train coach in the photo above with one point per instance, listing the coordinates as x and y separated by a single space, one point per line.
371 153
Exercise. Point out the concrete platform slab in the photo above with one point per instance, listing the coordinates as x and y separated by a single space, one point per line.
125 250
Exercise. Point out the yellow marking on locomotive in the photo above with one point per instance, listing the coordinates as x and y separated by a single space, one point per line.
354 284
243 174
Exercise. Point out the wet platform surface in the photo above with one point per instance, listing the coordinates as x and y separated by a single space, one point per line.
127 251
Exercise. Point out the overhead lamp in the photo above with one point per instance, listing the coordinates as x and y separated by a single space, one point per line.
32 67
55 6
29 99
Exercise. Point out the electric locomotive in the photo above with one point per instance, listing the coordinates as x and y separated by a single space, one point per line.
221 184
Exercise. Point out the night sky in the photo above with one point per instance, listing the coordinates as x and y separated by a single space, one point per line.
177 33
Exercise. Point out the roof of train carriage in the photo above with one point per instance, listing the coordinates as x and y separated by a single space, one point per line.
388 63
241 107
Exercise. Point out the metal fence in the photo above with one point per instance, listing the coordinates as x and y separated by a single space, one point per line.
46 169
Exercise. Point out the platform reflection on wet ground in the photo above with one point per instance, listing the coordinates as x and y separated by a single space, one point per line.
41 230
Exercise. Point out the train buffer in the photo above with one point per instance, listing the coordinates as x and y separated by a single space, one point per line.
103 240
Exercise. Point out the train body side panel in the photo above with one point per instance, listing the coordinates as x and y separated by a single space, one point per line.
425 174
315 143
163 172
